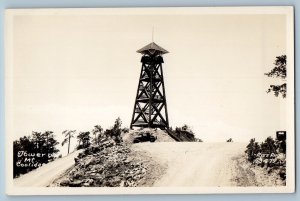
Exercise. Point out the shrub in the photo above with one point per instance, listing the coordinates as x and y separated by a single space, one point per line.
229 140
115 131
252 150
84 140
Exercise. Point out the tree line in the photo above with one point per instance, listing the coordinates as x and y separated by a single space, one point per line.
32 151
269 154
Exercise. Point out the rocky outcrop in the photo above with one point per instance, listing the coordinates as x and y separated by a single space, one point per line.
105 165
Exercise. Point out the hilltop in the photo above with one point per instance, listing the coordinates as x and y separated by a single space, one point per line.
160 135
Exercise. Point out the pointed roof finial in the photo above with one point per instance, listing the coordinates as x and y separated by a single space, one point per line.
152 48
152 34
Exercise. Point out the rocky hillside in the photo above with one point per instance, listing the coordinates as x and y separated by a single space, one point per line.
110 165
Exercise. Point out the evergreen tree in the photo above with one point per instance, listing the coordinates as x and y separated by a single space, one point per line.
42 144
84 139
279 71
252 150
97 132
68 135
115 131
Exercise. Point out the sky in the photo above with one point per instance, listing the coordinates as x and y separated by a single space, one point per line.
77 71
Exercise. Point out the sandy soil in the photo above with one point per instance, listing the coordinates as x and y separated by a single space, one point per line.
195 164
44 175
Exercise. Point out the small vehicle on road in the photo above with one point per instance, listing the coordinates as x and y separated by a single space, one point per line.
144 137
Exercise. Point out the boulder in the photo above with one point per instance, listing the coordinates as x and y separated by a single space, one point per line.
76 183
65 182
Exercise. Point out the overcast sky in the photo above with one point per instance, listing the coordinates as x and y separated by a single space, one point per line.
76 71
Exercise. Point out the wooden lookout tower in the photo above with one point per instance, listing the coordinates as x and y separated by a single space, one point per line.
150 107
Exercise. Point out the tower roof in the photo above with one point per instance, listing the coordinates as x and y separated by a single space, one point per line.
151 49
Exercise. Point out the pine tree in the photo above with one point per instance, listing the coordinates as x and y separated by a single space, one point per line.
68 135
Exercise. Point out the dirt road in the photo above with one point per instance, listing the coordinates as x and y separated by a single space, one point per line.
44 175
195 164
176 164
